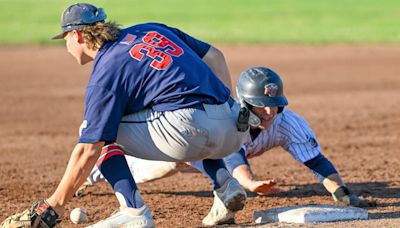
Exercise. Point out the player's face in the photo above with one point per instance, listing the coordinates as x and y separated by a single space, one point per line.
266 114
75 47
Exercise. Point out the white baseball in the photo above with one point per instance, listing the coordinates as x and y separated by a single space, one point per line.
78 215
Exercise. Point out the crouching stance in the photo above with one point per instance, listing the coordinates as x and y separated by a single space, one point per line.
154 93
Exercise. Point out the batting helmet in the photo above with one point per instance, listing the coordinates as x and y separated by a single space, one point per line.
261 87
80 15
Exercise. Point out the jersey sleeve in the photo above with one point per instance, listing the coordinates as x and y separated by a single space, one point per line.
103 112
297 137
198 46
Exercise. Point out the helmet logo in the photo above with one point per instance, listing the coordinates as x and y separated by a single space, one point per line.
271 89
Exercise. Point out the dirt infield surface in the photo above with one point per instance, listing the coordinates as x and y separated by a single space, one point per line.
349 94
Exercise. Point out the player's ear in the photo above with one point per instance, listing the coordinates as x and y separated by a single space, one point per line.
77 35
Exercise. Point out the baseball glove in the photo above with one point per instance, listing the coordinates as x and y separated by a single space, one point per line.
40 215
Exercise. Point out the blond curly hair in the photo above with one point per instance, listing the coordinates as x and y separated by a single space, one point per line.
96 35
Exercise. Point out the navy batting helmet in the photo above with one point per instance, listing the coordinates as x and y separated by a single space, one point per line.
261 87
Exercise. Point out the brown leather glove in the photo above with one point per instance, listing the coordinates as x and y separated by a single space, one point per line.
40 215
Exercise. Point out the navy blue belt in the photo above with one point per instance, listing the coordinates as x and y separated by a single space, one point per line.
201 107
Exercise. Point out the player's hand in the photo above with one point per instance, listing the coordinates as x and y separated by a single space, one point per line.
356 201
343 195
264 187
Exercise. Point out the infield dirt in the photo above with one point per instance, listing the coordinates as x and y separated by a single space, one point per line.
350 95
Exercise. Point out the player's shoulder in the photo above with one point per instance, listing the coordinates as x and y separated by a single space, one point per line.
295 125
288 112
289 115
290 120
147 25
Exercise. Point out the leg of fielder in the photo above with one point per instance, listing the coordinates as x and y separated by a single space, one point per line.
329 177
142 171
132 207
229 196
214 166
174 136
238 165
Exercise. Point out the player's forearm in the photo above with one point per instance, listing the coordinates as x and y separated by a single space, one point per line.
215 59
332 182
81 162
243 174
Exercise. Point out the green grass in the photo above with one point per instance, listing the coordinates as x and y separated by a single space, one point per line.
223 21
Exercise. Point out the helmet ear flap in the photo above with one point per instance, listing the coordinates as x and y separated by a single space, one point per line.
254 120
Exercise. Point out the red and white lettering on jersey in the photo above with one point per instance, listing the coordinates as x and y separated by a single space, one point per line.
157 40
160 60
152 43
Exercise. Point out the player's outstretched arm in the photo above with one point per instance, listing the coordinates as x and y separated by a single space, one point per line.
47 213
215 59
332 182
330 178
81 162
246 178
335 185
239 167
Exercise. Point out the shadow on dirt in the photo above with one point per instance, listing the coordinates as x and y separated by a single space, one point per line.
185 193
384 215
370 189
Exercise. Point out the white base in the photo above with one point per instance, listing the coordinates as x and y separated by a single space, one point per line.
310 214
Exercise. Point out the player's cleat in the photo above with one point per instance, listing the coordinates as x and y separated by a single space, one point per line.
342 194
127 217
219 214
228 199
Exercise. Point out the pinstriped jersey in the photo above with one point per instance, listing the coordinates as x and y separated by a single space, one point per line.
289 131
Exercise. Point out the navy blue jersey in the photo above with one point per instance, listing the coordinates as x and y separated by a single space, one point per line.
150 66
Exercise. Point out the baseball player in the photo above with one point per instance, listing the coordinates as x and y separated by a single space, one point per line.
261 90
154 93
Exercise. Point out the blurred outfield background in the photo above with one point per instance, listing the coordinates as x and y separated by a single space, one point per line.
222 21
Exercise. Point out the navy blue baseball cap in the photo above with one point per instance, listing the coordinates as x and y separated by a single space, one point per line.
80 15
